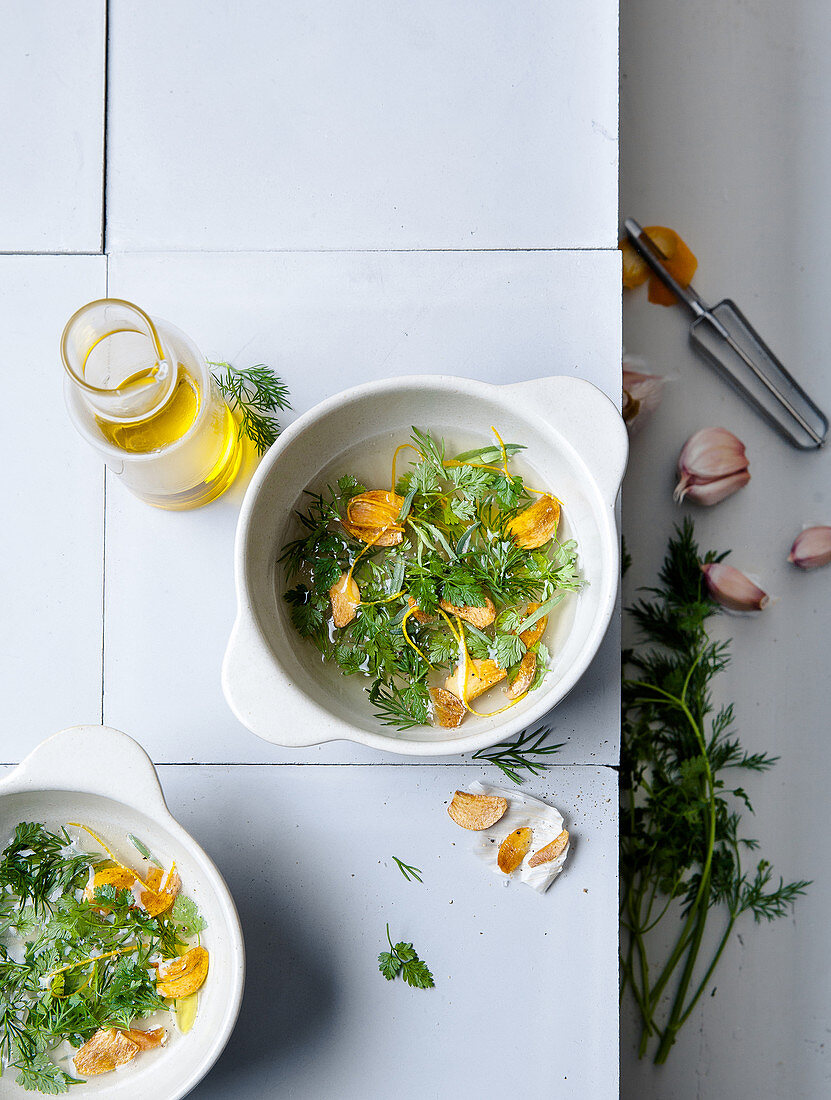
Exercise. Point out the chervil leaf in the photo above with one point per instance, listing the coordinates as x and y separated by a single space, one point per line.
416 973
403 958
389 964
187 918
509 648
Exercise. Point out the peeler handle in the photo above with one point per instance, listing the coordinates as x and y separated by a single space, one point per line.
647 248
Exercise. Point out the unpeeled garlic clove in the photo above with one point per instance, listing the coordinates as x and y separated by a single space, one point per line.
732 589
811 548
712 465
641 395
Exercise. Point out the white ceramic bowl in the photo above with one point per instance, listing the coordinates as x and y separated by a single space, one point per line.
105 780
576 446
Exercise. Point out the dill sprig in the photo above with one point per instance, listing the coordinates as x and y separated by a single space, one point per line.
257 395
513 756
407 871
681 849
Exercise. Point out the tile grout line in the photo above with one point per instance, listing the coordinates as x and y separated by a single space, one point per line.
104 536
336 764
105 127
104 155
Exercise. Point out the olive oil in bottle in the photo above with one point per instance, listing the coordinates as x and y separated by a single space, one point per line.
142 394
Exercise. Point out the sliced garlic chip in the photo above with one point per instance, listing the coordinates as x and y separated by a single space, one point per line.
105 1051
480 615
448 709
345 596
536 524
183 976
513 850
476 811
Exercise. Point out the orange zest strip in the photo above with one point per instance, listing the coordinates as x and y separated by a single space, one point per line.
465 658
386 599
372 541
402 447
110 853
504 452
91 959
407 637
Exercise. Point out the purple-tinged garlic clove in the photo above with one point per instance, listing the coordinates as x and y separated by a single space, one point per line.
641 395
713 458
732 589
811 548
711 492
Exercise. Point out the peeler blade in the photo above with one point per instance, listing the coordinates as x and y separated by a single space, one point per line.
727 340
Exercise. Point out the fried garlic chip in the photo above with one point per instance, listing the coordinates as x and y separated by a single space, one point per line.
480 615
524 677
536 524
119 877
481 675
157 901
476 811
344 596
105 1051
372 517
533 634
550 851
147 1040
183 976
448 709
513 850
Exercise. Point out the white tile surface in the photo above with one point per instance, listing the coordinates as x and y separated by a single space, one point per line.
326 321
720 111
468 124
526 985
52 498
52 126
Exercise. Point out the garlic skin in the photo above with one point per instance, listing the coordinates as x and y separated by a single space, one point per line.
712 465
732 589
642 395
811 548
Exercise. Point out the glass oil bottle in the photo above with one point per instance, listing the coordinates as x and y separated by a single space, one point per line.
141 393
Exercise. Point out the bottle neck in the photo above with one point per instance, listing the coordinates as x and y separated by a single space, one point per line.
116 358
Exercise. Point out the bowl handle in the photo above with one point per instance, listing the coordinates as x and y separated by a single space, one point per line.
256 692
91 760
589 421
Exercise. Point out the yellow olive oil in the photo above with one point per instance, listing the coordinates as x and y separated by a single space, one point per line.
161 428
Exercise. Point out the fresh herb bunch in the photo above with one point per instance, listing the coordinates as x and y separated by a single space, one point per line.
257 395
513 756
85 964
403 959
681 852
456 547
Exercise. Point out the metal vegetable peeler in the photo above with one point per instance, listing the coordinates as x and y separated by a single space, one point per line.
726 339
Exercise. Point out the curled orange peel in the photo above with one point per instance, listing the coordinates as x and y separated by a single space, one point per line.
408 639
110 853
